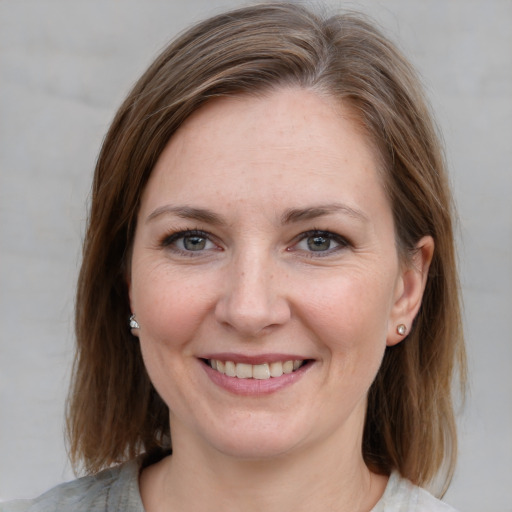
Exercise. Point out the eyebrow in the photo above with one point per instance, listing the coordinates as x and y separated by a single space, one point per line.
187 212
289 217
313 212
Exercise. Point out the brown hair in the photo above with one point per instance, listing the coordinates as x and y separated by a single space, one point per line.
114 412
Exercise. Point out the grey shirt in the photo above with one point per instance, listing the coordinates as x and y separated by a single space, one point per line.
117 490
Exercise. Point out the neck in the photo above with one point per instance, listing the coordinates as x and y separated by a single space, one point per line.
309 480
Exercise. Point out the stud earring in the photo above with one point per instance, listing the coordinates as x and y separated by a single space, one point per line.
133 323
401 329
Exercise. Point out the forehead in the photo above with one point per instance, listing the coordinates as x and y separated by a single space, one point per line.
289 139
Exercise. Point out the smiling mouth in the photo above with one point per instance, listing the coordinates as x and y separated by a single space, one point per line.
262 371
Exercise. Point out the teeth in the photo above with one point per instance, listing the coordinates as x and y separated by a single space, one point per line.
257 371
276 369
261 371
230 369
243 371
288 367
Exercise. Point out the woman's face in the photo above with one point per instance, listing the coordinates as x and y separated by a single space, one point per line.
264 243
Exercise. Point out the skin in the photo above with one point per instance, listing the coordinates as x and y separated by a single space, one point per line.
267 171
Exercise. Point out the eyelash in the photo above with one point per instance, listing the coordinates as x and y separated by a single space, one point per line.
169 239
320 233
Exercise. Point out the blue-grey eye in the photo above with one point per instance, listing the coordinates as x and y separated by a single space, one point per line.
318 243
188 241
194 243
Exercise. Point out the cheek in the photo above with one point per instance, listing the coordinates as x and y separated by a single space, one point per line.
170 312
350 313
170 307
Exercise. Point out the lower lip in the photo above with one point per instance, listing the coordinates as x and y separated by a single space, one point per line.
254 387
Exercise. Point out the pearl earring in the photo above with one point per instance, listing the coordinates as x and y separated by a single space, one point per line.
401 329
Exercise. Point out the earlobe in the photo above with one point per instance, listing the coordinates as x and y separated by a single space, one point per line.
129 288
133 324
128 281
410 291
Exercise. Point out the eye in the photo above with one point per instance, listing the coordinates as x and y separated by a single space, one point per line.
320 242
193 243
189 241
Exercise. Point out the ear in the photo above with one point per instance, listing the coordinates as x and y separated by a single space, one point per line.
409 290
128 278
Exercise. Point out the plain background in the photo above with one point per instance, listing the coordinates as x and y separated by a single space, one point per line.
65 66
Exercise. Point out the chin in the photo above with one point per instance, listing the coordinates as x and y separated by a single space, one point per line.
261 441
258 449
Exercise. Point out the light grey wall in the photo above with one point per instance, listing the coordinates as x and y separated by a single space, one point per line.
65 65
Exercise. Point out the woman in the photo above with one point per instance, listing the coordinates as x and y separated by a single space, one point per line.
268 279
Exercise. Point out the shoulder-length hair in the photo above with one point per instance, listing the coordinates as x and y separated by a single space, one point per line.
114 413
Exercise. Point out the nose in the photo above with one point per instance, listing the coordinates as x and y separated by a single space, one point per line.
253 300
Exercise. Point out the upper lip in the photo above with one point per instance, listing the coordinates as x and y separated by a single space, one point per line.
254 359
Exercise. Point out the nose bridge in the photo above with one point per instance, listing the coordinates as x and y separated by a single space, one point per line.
254 299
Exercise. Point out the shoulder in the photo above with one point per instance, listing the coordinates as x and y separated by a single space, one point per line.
111 490
403 496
